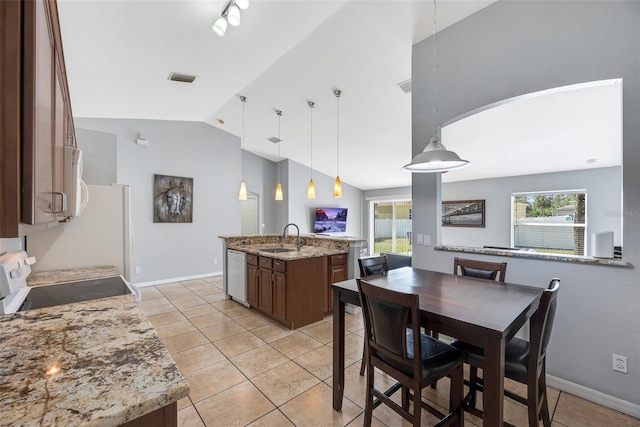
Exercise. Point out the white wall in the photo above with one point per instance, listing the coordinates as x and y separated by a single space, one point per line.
9 245
604 201
513 48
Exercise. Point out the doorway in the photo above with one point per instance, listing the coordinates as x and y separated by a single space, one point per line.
249 215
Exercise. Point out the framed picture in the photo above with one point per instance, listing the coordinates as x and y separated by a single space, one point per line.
463 213
173 199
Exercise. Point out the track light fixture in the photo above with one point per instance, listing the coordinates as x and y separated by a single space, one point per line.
230 15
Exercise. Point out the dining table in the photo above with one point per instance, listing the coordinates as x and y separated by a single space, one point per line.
482 312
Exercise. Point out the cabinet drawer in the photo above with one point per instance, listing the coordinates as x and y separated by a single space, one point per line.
252 259
279 265
265 262
338 259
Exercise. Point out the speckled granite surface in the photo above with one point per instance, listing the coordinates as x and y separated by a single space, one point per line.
71 275
313 246
113 368
536 255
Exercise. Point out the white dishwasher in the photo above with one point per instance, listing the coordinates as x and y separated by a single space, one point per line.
237 271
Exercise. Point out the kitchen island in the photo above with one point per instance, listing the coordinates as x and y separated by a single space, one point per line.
92 363
291 282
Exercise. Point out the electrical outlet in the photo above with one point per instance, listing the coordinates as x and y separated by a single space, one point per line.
215 261
137 269
427 240
620 363
419 238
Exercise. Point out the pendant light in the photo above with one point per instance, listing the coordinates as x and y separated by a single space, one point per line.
279 187
435 157
337 188
311 191
243 187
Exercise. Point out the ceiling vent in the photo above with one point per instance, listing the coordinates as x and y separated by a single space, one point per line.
275 140
183 78
405 86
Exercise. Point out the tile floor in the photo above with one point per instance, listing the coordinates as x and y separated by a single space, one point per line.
245 369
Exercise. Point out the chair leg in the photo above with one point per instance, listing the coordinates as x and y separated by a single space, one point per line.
456 395
532 400
368 407
544 410
417 404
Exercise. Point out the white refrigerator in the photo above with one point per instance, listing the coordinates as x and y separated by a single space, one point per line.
101 235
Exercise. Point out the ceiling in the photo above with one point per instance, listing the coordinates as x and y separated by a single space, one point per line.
285 53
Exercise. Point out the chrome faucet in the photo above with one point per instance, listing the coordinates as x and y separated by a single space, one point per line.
284 233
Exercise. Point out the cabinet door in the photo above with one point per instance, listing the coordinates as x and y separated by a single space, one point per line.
252 285
38 95
59 139
280 296
265 294
337 273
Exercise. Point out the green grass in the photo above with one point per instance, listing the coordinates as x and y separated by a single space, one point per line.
385 245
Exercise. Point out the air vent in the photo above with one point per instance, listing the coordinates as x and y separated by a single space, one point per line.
183 78
275 140
405 86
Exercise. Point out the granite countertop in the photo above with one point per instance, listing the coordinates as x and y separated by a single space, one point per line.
113 368
71 275
293 254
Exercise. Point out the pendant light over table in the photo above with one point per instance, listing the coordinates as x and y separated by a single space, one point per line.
435 157
311 191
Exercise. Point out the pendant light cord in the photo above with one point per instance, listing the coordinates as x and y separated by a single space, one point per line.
244 100
434 94
311 105
337 93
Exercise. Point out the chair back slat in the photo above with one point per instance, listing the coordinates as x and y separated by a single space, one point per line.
480 269
373 265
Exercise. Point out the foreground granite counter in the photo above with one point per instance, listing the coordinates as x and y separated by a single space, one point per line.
94 363
313 246
71 275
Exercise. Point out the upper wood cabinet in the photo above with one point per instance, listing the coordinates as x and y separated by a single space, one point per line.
36 117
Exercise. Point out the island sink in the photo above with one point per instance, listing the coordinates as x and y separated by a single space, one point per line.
277 250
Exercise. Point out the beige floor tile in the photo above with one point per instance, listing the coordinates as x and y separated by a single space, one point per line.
353 322
200 310
284 382
198 358
238 406
159 309
174 290
318 361
195 284
188 417
227 304
184 341
272 332
213 379
295 344
209 319
310 325
258 361
213 298
359 422
210 290
164 318
315 408
176 328
150 292
353 347
155 302
222 330
573 411
183 403
238 312
274 418
238 344
187 301
253 321
322 332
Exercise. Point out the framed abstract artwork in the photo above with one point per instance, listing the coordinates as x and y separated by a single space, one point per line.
173 199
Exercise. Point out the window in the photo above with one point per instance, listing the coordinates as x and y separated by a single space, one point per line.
550 222
391 226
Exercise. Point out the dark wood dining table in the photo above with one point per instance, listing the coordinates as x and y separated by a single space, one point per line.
482 312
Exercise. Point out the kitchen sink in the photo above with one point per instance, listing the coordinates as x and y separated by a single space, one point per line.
277 250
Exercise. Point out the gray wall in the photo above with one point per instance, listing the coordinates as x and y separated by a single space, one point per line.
189 149
604 201
301 210
513 48
13 244
99 156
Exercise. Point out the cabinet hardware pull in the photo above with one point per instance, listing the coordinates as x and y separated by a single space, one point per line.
64 202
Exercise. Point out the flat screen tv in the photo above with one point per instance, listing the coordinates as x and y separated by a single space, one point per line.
330 220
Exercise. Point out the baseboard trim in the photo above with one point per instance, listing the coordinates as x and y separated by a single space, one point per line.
177 279
600 398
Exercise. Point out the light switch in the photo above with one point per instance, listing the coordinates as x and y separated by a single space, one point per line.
419 239
427 240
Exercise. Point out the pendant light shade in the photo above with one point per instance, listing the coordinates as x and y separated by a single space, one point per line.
242 4
220 26
311 190
234 15
279 192
337 188
242 195
279 195
435 157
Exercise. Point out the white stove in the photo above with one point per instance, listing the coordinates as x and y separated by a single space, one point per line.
15 295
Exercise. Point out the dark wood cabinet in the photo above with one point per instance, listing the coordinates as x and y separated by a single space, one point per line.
36 118
337 273
265 292
252 280
280 296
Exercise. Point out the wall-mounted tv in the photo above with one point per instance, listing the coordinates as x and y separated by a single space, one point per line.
330 220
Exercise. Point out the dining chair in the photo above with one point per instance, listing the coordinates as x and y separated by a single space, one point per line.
480 269
369 267
412 358
525 362
373 265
